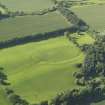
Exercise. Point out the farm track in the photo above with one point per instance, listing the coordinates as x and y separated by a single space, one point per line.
71 61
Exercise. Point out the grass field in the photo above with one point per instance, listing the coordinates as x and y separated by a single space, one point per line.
31 25
26 5
96 1
85 39
93 15
39 71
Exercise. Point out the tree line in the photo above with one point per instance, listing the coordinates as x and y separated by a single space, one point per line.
94 64
71 16
35 38
12 14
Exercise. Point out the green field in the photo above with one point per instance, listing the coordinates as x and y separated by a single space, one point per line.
85 39
31 25
27 5
96 1
39 71
94 16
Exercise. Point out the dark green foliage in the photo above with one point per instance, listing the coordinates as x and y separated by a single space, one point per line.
3 78
0 13
71 16
15 99
85 47
35 38
57 100
79 65
94 64
9 91
44 103
78 75
80 82
94 91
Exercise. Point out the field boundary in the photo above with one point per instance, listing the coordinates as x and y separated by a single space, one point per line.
36 37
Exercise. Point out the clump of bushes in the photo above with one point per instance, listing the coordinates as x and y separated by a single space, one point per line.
3 78
92 92
14 98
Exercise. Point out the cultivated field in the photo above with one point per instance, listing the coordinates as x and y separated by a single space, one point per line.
31 25
27 5
39 71
94 16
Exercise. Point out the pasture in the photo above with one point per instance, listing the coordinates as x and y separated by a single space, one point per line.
93 15
97 1
38 71
31 25
27 5
85 39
